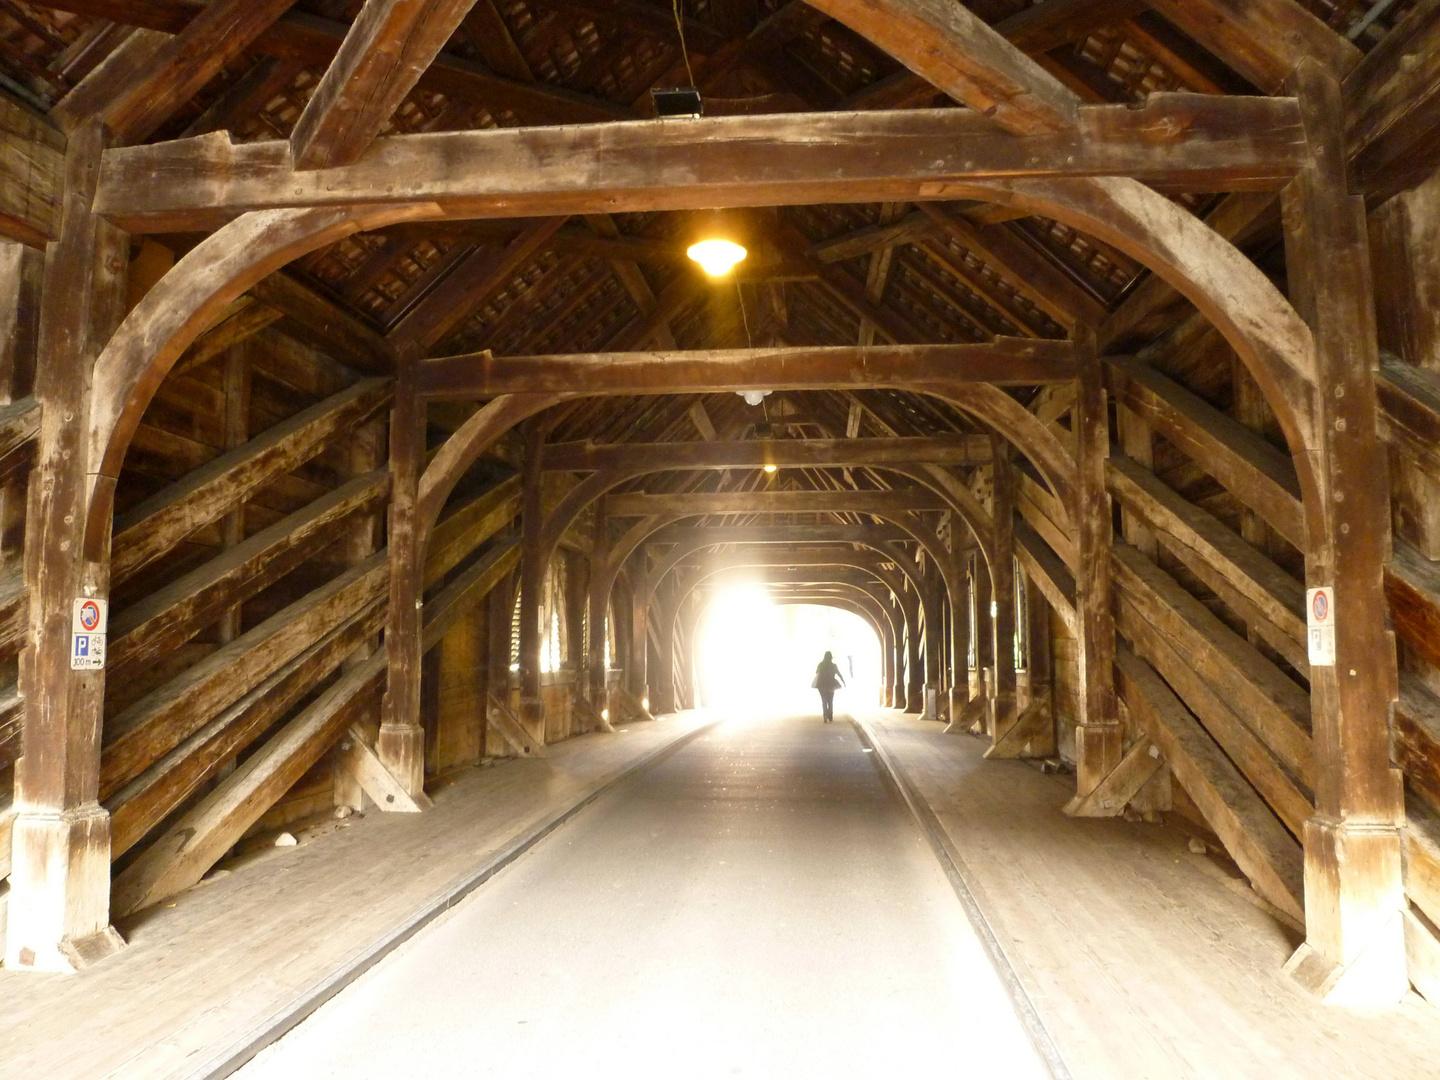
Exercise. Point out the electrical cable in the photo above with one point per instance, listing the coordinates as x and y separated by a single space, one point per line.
680 29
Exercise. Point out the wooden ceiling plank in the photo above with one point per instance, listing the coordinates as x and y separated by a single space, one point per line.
1193 141
1022 267
475 279
324 323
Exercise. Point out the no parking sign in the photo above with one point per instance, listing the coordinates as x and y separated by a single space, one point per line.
87 633
1320 625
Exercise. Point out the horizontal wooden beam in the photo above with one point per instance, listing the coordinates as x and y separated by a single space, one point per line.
693 535
1184 141
690 504
1005 362
789 453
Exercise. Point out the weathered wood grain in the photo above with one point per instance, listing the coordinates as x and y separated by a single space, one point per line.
1190 141
144 802
1253 470
172 615
1251 833
152 726
155 525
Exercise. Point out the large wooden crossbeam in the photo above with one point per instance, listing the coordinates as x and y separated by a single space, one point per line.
1186 141
1005 362
813 453
693 535
691 504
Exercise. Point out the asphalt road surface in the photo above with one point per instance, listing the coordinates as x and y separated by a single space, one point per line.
757 904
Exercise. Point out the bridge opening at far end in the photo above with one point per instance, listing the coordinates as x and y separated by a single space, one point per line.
758 654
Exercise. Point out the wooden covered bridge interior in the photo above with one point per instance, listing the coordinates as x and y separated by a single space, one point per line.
352 355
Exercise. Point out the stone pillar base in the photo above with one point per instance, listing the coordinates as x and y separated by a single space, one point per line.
1354 951
897 696
401 749
915 699
59 908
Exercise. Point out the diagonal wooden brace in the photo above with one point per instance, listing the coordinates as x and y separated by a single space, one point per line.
1121 784
360 762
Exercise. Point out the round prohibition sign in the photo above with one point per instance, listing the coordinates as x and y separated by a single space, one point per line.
1321 606
89 615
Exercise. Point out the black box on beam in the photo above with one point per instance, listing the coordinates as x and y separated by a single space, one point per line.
678 103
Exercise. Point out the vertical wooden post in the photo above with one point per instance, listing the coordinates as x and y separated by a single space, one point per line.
959 584
1099 736
1354 950
914 669
1000 711
1138 442
639 631
599 606
237 433
897 666
532 580
933 603
983 632
59 917
401 743
1039 657
662 691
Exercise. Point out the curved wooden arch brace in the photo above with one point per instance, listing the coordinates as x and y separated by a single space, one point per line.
181 306
464 446
911 605
961 499
1256 319
683 551
997 409
599 483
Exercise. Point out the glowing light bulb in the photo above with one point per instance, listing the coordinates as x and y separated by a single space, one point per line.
717 257
770 468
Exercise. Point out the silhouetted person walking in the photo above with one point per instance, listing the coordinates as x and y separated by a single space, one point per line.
827 678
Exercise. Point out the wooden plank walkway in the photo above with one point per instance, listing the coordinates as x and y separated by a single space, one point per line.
212 974
1142 958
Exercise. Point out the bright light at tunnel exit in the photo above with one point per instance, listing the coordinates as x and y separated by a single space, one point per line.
759 656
